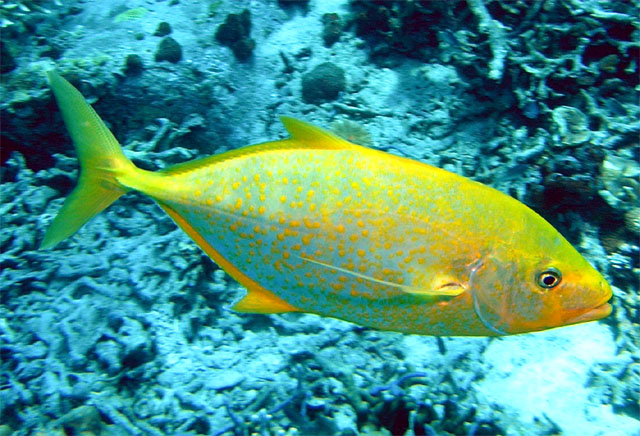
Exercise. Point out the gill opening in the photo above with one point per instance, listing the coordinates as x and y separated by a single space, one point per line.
487 324
476 305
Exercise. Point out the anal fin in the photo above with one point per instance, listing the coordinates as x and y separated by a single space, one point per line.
258 299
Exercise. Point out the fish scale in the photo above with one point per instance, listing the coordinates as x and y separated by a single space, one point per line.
316 224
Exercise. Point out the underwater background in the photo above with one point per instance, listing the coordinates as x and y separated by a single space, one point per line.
125 328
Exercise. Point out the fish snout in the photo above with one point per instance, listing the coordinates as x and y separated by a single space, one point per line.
600 307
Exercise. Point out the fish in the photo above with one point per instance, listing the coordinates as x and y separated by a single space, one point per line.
316 224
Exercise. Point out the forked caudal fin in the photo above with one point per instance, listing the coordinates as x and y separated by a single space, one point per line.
101 163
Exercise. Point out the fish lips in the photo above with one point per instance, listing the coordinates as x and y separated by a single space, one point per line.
594 314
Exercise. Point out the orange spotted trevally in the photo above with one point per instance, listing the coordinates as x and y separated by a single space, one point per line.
316 224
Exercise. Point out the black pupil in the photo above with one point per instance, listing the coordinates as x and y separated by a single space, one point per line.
549 280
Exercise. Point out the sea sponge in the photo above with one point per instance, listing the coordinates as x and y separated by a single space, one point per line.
352 132
168 50
324 83
234 33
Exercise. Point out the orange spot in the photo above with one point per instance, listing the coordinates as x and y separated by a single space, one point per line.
340 228
289 232
361 252
283 198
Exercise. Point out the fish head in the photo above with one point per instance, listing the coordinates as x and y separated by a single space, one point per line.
524 293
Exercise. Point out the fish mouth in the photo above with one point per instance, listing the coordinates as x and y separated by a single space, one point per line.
594 314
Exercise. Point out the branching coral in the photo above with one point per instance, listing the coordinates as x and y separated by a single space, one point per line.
495 30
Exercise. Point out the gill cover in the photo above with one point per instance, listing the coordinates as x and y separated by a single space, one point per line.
493 286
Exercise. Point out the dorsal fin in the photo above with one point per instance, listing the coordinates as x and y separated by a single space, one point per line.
303 135
313 136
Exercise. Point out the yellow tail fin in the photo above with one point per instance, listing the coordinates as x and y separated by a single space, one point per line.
101 163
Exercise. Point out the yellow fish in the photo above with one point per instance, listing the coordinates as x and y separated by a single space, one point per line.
316 224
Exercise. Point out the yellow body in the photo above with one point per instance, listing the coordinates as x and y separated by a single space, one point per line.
317 224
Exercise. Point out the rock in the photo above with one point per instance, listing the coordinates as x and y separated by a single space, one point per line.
169 50
133 65
323 83
138 347
82 420
234 33
36 350
225 379
163 29
109 354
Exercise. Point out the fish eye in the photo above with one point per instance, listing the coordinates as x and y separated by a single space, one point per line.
549 278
